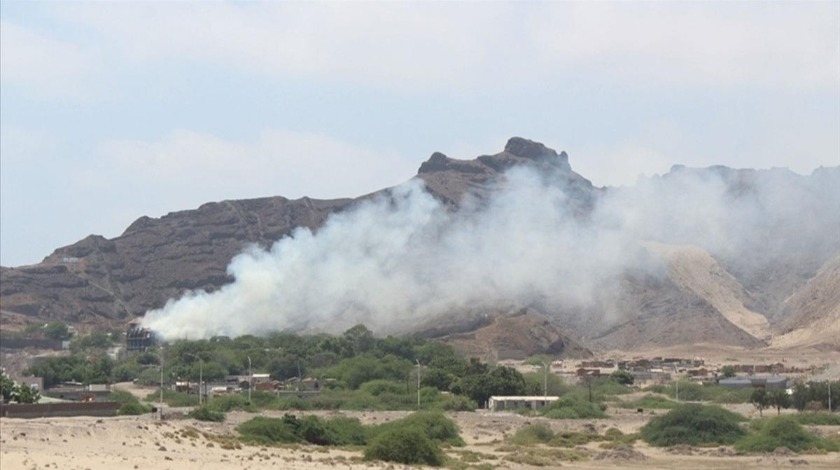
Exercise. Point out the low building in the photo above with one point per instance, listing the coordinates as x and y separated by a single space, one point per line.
75 391
514 403
754 382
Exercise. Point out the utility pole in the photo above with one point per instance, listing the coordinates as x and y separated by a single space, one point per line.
829 395
250 379
200 374
545 383
161 383
418 383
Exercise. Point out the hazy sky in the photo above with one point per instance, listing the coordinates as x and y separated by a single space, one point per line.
114 110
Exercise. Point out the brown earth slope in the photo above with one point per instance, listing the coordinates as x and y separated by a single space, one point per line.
814 319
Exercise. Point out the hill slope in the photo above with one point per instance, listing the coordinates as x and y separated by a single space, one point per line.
710 255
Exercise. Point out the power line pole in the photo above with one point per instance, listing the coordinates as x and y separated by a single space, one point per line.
250 379
545 383
418 383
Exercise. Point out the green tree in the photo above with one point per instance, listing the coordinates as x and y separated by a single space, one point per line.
361 338
57 330
8 388
760 399
27 394
727 371
623 377
502 380
778 398
95 340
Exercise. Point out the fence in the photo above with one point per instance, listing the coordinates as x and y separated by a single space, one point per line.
50 410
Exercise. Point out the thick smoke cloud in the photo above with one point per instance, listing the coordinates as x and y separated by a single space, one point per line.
403 258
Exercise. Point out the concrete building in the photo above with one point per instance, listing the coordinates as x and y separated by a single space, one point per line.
513 403
138 338
755 382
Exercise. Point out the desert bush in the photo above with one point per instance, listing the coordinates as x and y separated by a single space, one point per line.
449 402
783 431
690 391
380 386
225 403
651 401
134 408
694 424
571 407
173 398
573 439
533 434
817 419
405 445
346 431
432 424
129 404
263 430
310 429
203 413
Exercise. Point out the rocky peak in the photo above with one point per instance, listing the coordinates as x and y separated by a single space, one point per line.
528 149
517 151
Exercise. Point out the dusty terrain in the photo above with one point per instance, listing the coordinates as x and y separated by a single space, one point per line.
145 442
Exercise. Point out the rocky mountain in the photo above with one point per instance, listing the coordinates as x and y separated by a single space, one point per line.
716 255
814 318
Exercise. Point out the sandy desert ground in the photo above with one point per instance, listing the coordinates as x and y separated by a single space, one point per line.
143 442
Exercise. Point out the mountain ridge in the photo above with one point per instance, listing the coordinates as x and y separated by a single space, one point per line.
98 281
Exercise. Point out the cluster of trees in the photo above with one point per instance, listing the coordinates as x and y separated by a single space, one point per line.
12 391
352 359
777 398
93 368
814 396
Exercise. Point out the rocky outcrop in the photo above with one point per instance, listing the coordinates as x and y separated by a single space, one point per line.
98 282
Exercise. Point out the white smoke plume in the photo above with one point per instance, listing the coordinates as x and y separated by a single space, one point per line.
403 257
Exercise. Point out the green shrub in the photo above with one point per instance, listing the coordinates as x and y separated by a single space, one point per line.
783 431
432 424
333 432
129 404
379 386
263 430
571 407
173 398
690 391
651 401
310 429
449 402
694 424
346 431
533 434
573 439
204 413
817 419
225 403
134 408
405 445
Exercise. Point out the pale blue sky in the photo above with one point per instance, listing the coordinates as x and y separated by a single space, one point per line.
114 110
